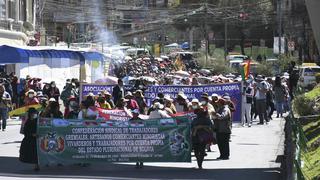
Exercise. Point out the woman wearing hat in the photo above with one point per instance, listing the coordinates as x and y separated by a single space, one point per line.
28 150
31 98
108 98
181 103
132 103
52 110
141 101
54 91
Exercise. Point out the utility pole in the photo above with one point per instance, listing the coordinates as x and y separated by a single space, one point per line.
225 39
206 30
280 26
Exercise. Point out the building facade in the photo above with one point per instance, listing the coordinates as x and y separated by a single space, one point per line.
17 22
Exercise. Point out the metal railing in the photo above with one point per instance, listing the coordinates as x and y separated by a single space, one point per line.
296 146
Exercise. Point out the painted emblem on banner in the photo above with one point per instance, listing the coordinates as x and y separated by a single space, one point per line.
178 144
52 143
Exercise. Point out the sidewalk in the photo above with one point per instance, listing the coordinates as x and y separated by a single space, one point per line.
254 152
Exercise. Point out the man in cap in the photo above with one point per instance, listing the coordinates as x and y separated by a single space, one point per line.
205 102
222 124
261 89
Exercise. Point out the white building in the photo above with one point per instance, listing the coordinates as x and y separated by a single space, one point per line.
17 21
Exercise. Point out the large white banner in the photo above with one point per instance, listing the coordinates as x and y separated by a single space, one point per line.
276 45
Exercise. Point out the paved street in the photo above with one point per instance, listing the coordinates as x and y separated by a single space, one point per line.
253 154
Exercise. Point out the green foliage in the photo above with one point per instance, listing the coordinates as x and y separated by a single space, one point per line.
219 65
302 105
264 69
313 94
285 61
311 157
318 78
307 104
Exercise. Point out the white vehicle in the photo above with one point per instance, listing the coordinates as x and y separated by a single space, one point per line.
238 57
136 52
307 74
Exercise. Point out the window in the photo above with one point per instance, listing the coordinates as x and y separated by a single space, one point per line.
311 71
22 10
3 9
11 9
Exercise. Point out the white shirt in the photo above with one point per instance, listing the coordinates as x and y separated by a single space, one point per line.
89 113
157 114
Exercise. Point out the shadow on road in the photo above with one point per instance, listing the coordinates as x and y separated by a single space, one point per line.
11 167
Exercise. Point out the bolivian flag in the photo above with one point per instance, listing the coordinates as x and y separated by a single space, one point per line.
23 110
245 70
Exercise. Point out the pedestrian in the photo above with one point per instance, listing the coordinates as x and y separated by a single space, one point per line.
169 106
247 95
102 103
73 107
132 103
28 148
222 125
118 91
201 132
214 100
54 91
181 103
88 109
139 98
205 102
158 112
46 89
293 78
5 101
31 98
14 84
52 110
279 96
136 119
108 98
269 98
67 92
261 89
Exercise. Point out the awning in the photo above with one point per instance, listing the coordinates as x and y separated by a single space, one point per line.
92 56
11 55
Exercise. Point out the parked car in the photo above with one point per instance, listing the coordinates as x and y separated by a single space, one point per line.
307 74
